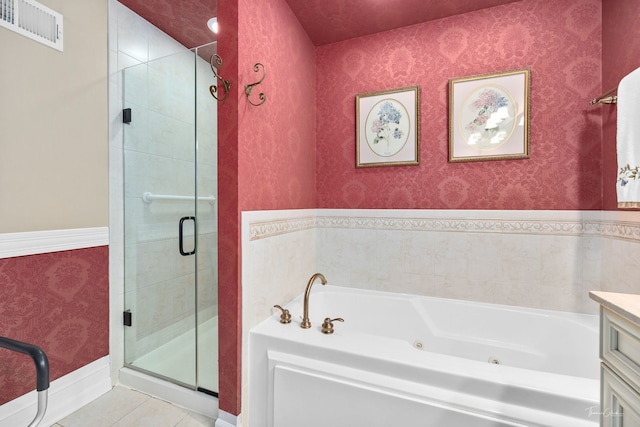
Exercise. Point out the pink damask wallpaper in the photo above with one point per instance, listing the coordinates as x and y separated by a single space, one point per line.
59 302
229 291
560 41
277 150
266 154
329 21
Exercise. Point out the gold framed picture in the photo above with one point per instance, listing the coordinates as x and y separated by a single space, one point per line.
489 116
387 128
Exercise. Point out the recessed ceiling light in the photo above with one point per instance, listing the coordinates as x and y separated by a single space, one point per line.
213 24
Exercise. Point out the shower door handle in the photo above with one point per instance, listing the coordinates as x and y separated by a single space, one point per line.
181 235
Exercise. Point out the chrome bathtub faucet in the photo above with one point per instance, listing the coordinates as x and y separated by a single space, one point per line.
305 317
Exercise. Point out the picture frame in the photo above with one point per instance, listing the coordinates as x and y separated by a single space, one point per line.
388 128
489 116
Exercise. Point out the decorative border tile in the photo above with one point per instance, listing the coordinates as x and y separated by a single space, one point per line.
551 227
264 229
557 228
617 230
623 230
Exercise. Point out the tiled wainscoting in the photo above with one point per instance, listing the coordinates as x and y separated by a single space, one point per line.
542 259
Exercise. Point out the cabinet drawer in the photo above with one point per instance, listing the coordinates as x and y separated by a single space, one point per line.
620 403
620 347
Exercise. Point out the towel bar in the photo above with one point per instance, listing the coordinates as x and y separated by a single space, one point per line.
604 99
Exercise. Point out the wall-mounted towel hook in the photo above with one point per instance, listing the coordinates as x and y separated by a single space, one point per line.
215 62
249 88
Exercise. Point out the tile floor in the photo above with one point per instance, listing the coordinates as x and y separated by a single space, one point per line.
122 407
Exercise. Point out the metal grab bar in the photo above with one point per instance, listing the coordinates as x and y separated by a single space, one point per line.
42 372
149 197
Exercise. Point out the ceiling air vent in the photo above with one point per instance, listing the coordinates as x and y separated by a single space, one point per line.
33 20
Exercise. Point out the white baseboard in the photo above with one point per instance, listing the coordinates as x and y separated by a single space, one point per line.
66 395
40 242
225 419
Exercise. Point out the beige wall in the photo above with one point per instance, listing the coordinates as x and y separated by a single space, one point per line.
53 124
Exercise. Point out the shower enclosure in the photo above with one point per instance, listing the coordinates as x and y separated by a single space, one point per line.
170 219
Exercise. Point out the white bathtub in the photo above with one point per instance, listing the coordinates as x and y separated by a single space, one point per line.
403 360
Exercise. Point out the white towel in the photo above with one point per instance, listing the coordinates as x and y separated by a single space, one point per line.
628 141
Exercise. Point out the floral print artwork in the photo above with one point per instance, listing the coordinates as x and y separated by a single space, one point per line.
488 102
488 117
387 127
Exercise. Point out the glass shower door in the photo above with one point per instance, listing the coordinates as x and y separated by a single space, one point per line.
160 218
207 213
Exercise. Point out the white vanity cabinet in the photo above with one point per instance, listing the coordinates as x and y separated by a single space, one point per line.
619 402
620 355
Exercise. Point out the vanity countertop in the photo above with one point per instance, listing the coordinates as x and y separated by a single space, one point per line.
626 305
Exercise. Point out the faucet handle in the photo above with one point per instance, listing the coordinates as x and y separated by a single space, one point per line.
327 326
285 317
